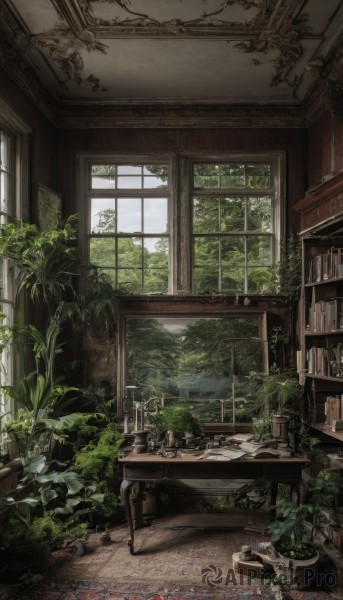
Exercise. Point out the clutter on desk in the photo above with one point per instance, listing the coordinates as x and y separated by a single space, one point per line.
216 447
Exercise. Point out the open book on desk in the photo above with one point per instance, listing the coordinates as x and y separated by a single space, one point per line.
259 450
266 453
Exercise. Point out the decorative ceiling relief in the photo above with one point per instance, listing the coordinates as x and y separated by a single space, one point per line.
92 56
288 43
64 49
205 13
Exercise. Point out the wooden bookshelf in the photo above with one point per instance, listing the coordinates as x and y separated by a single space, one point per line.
321 307
338 435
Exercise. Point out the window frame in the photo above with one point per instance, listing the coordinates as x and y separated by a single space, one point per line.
86 193
19 133
277 161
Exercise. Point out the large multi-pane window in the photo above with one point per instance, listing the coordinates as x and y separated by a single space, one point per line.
184 224
14 139
129 224
232 226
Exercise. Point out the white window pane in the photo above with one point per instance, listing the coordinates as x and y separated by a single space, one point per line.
153 182
6 283
103 183
103 215
5 153
4 192
129 215
158 247
129 169
155 215
129 183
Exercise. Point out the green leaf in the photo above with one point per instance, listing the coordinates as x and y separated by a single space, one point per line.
47 495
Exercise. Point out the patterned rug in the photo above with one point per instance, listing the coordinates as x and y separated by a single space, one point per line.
109 589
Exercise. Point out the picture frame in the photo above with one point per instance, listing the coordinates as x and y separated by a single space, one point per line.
49 207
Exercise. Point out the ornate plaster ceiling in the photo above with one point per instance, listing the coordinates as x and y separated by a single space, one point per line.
128 53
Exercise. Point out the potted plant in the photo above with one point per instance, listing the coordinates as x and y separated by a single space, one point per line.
292 549
297 533
173 421
279 393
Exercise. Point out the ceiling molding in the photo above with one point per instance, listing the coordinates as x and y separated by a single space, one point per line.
10 119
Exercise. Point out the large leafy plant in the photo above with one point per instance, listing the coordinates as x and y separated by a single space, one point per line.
51 497
44 262
46 265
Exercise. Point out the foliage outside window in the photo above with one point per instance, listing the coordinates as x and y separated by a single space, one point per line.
200 362
128 230
232 226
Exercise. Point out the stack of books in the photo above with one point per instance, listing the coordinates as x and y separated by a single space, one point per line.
333 409
326 266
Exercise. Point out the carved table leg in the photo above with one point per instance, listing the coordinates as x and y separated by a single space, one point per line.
125 488
137 498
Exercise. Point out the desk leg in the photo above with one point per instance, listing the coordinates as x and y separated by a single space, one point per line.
298 492
273 497
125 488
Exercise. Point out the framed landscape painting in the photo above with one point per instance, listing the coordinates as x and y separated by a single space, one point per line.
49 206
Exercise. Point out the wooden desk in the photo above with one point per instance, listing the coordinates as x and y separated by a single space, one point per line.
151 467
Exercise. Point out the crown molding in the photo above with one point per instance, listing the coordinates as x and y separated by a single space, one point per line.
10 118
193 116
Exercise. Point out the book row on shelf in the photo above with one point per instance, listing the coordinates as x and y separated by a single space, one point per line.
326 266
326 361
325 316
333 409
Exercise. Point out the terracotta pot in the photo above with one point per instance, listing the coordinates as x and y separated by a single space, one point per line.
294 573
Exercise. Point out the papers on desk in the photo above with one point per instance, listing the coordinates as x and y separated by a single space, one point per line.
241 437
251 447
223 454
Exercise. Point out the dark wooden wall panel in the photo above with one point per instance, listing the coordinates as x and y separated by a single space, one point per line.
338 142
325 148
42 140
